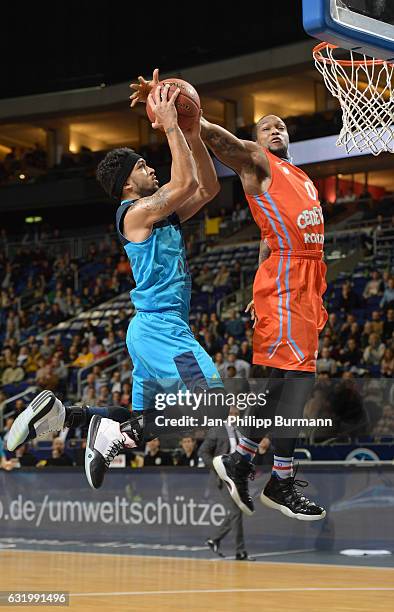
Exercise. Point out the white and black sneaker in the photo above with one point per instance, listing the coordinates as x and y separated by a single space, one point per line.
44 414
235 471
214 546
282 494
106 438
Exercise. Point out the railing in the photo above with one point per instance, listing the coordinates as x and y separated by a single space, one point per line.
237 299
79 246
82 315
10 400
384 241
83 371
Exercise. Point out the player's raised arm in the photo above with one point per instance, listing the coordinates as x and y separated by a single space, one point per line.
208 184
231 150
183 183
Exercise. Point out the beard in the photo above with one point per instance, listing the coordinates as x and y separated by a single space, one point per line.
145 192
280 151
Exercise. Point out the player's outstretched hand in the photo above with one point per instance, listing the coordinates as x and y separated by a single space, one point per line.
143 88
250 308
163 107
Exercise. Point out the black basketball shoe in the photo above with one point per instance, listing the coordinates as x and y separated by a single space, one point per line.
282 494
235 471
243 556
214 545
106 438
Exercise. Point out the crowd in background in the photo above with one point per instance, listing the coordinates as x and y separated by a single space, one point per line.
41 288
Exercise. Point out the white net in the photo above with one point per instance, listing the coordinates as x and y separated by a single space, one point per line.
364 88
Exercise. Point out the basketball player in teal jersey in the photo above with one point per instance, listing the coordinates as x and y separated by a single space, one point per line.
159 338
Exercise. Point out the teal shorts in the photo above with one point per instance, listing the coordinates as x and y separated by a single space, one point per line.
165 355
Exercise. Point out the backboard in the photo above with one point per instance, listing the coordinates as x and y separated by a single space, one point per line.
365 26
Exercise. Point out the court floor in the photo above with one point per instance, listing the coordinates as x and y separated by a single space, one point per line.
118 582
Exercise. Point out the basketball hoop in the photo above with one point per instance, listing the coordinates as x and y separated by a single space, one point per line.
364 89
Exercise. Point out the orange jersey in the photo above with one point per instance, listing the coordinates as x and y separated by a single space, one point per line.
289 285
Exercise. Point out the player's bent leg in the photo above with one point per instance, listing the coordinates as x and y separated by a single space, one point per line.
235 472
281 492
283 495
44 414
106 438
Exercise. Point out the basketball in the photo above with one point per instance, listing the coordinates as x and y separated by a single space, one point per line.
187 103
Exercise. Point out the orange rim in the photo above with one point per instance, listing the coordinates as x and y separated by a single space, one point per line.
347 63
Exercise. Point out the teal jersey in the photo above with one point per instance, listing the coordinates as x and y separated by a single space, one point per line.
159 266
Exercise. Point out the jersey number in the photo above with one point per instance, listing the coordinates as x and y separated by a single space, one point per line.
311 190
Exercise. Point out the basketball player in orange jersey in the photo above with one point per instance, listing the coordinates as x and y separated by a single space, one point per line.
287 294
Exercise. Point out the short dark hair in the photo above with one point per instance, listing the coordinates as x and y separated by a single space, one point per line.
108 168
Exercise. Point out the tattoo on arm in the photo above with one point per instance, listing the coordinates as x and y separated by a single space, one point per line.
223 144
157 201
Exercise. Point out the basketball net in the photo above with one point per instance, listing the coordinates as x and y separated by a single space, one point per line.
364 88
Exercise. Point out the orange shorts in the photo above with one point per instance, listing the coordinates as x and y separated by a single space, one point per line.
287 292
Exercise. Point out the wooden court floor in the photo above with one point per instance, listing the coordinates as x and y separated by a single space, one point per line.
118 583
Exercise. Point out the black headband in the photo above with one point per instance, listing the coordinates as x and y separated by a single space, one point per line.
123 173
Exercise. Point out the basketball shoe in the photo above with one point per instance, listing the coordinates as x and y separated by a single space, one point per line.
106 438
44 414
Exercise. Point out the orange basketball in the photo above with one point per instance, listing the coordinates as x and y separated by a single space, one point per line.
187 103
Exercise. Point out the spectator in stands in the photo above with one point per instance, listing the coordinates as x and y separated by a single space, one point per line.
19 407
126 394
377 323
7 426
347 407
241 366
215 326
246 352
210 344
325 363
387 300
46 378
346 327
220 364
110 342
24 457
58 457
238 384
333 323
385 425
232 345
348 299
46 349
154 456
116 383
374 352
388 325
351 354
55 316
84 359
204 280
222 278
234 325
373 286
23 356
12 374
104 397
387 363
125 371
188 456
89 395
60 370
